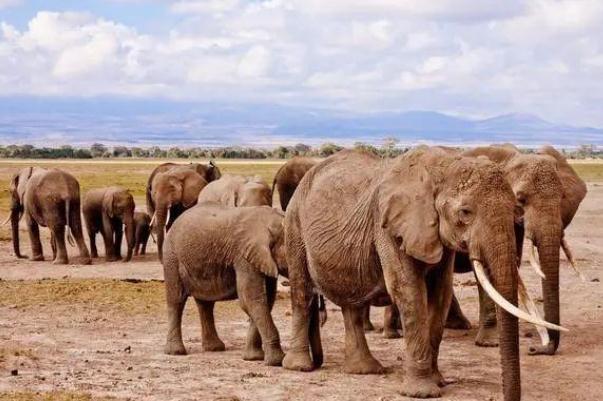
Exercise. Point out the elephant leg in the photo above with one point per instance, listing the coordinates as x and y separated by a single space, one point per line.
53 245
137 240
118 229
298 355
456 319
143 251
251 289
209 336
176 299
108 240
92 239
58 232
253 347
439 290
391 322
487 335
75 224
358 358
34 238
366 319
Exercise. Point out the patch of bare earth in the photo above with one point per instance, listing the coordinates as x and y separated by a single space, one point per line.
86 334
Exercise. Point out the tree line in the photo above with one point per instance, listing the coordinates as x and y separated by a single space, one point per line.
389 148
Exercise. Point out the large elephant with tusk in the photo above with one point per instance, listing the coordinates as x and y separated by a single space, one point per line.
548 192
364 231
172 192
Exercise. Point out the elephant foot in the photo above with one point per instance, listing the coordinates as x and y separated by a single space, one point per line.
391 333
367 325
421 387
487 337
362 365
548 349
457 322
110 259
274 356
174 348
253 354
60 261
440 380
215 345
296 360
37 258
83 260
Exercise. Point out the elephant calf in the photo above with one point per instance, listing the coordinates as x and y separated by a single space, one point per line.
107 210
142 224
216 253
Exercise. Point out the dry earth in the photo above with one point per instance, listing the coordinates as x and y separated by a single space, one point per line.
96 332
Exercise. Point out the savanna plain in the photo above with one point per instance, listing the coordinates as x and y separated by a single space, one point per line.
89 333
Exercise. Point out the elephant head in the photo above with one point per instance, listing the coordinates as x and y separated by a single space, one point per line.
177 188
119 203
539 195
210 172
254 192
264 246
18 185
435 200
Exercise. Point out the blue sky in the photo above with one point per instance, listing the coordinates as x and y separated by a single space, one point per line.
460 57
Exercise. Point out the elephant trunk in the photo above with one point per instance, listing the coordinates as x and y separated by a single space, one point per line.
130 235
161 213
15 216
500 258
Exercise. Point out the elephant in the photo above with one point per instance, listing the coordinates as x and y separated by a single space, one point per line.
287 178
548 192
172 192
236 190
364 231
142 222
215 253
48 198
108 211
209 172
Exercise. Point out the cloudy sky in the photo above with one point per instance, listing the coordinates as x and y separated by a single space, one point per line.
464 57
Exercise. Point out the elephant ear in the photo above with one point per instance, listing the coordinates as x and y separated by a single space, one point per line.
108 203
191 186
255 251
408 213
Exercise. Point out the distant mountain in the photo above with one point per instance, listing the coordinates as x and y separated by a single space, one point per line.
53 122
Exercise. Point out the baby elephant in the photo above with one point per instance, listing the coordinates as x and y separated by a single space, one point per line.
217 253
142 222
107 210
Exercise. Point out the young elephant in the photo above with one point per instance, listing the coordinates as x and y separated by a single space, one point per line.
107 210
48 198
142 222
236 190
215 253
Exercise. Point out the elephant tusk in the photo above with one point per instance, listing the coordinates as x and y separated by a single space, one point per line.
6 221
152 220
570 259
480 273
528 303
534 258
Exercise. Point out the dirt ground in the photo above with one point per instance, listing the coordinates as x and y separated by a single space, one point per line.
92 332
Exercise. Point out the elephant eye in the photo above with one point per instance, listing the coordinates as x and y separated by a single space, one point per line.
521 198
465 214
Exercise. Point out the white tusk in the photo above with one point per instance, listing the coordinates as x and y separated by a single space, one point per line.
152 220
570 259
506 305
6 221
167 220
534 258
527 302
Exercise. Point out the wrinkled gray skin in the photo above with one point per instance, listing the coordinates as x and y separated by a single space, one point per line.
288 177
108 211
237 190
215 253
48 198
359 229
548 192
142 232
174 190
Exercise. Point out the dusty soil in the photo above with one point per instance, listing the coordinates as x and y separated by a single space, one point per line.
91 332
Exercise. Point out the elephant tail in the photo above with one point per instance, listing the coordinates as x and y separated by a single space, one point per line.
67 214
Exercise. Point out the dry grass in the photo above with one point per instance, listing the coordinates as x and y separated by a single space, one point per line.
51 396
96 298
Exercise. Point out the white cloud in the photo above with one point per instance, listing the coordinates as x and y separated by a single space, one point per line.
9 3
460 56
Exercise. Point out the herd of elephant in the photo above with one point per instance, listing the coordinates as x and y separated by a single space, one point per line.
354 228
